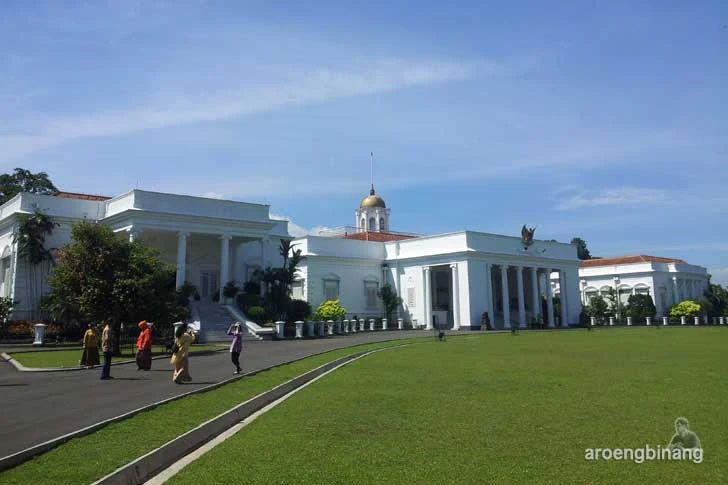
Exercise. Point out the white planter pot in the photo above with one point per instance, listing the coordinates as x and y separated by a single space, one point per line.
330 325
400 324
361 325
649 321
280 329
697 320
682 321
664 321
309 329
611 321
629 321
39 330
299 329
346 326
371 324
384 324
321 329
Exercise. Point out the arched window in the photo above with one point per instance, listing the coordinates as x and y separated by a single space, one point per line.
372 224
363 224
381 224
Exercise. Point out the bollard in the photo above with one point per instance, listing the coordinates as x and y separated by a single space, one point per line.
371 324
330 325
629 321
664 321
697 320
280 329
384 324
346 326
299 329
361 324
682 321
611 321
649 321
400 324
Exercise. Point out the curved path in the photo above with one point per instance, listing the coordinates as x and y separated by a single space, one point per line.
39 406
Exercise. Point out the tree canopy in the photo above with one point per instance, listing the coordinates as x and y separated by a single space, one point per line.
22 180
581 250
102 277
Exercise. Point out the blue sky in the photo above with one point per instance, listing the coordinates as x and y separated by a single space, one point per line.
606 122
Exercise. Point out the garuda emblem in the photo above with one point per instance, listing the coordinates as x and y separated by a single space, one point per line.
527 236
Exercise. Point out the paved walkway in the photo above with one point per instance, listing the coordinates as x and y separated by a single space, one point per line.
39 406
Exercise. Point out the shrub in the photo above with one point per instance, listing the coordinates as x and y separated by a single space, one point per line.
330 310
216 297
298 310
252 288
256 313
687 308
187 290
246 300
640 307
230 290
597 308
485 321
6 307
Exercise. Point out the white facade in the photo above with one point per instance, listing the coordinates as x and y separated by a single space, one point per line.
667 281
449 279
209 241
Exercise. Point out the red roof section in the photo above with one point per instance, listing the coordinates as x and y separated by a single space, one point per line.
378 236
73 195
589 263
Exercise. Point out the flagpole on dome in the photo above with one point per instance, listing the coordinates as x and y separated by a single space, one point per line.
371 172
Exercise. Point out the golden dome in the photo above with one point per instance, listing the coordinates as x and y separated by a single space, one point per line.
372 200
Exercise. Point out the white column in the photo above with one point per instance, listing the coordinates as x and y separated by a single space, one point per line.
505 297
535 297
676 291
549 299
564 299
181 257
489 291
427 300
397 285
455 297
224 264
521 298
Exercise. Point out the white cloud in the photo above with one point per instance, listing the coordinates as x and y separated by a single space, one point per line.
719 276
296 230
306 87
613 197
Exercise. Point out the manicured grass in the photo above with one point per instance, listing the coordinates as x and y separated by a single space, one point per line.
83 460
494 409
70 358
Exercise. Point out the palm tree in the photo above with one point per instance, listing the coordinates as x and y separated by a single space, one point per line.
30 239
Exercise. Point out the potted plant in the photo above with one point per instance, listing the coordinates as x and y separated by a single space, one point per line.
229 292
330 310
299 328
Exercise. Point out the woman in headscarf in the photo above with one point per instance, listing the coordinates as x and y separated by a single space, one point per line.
90 356
236 346
180 356
144 347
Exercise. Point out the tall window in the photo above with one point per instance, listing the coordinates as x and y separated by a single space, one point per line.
331 289
297 290
371 288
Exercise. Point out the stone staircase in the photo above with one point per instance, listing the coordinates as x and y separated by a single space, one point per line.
214 322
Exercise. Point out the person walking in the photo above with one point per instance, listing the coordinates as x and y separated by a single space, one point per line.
144 347
180 356
107 346
236 346
90 355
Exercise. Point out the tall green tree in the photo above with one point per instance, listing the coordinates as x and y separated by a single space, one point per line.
278 282
30 236
640 307
581 250
597 308
390 300
102 277
22 180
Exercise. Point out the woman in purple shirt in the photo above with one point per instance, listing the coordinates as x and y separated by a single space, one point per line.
236 345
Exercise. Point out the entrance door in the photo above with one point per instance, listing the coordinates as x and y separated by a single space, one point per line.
209 284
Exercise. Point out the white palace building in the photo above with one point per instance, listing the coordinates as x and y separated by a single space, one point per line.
449 280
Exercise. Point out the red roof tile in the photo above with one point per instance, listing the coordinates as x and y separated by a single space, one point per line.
73 195
590 263
378 236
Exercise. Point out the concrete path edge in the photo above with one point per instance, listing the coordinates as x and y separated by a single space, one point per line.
20 457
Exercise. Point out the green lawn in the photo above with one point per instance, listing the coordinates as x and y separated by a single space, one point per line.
49 359
86 459
494 409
